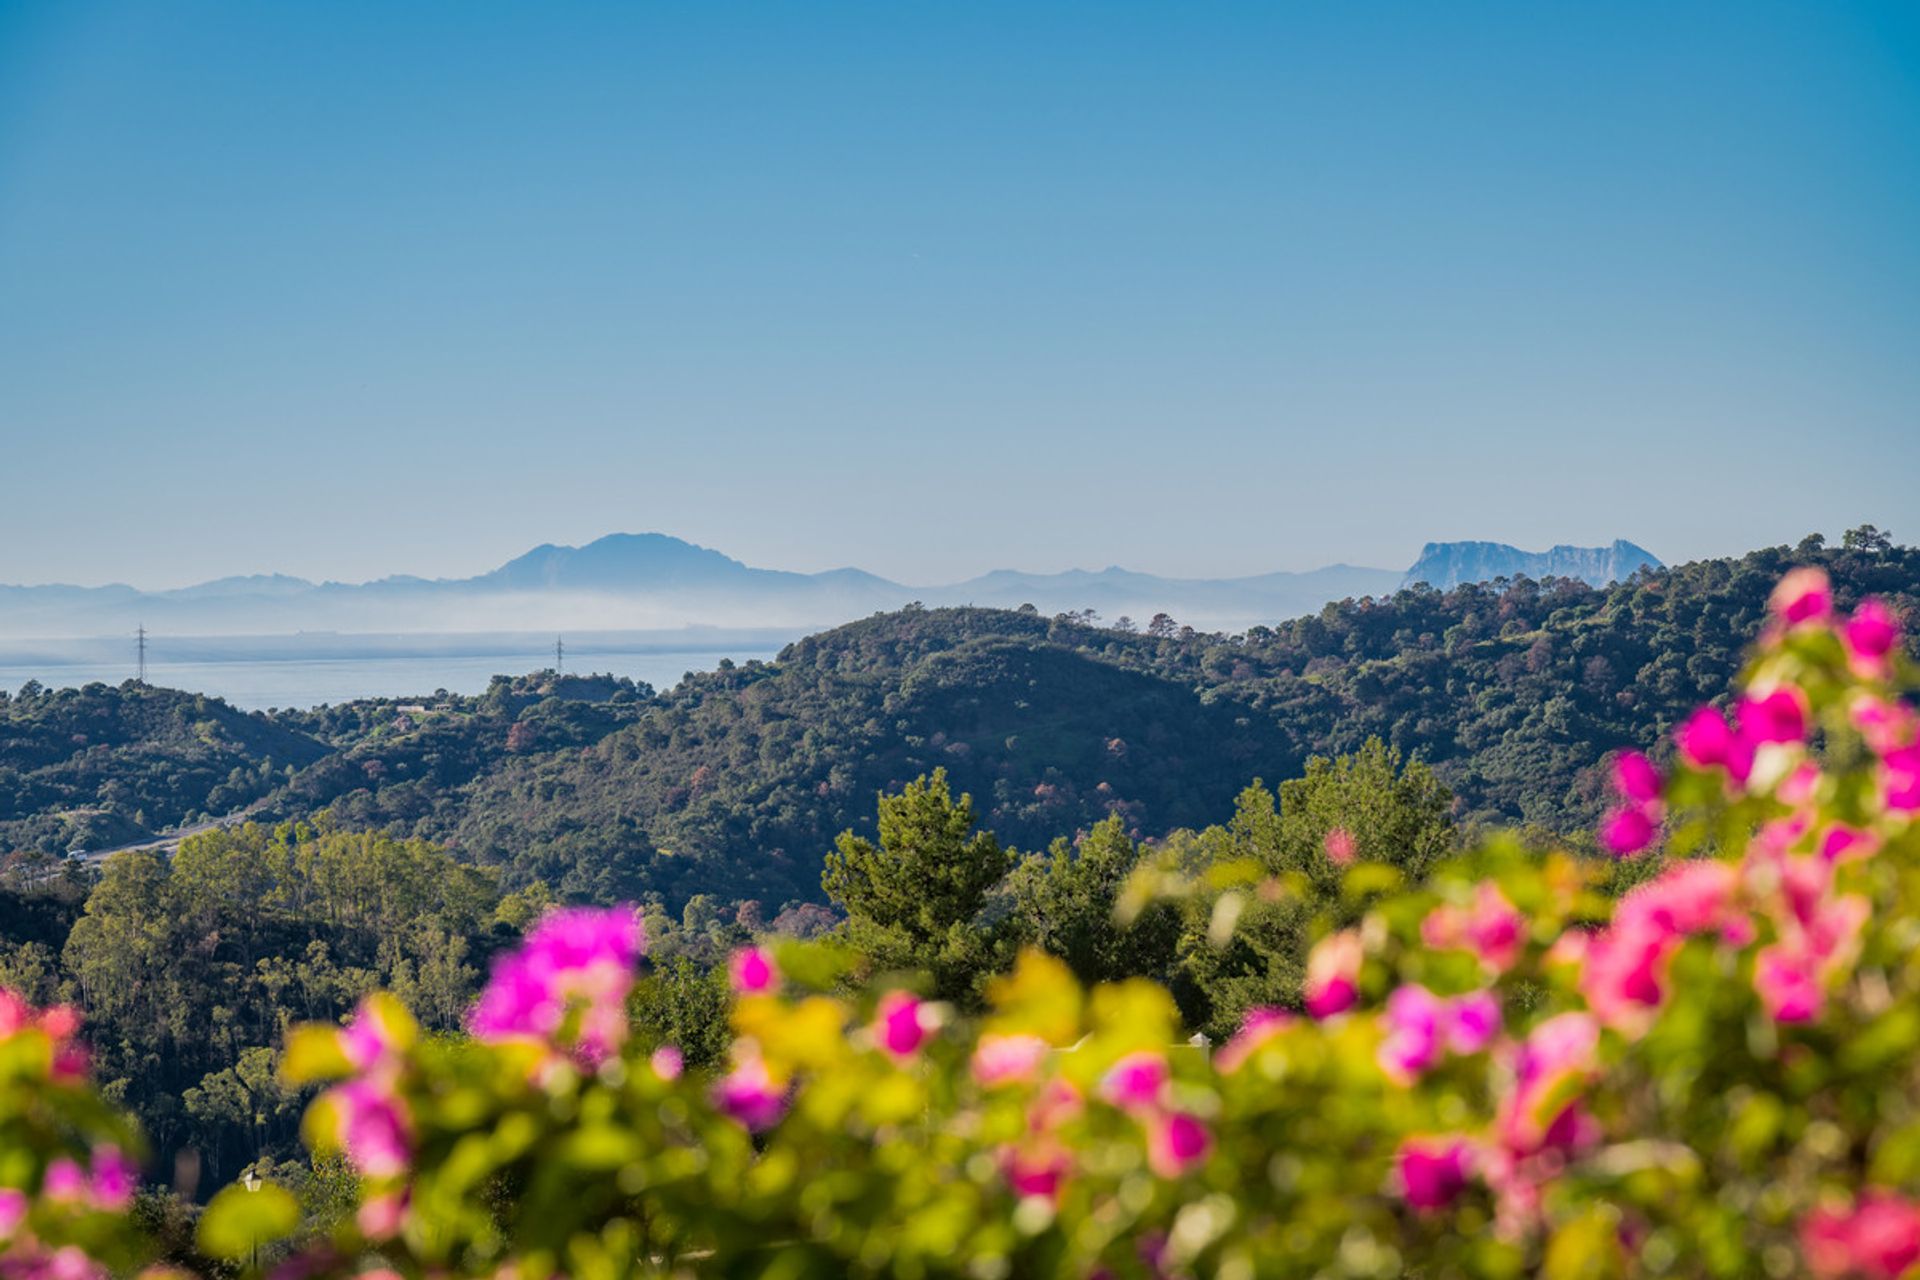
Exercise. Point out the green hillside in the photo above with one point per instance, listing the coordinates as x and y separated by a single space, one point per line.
735 782
89 767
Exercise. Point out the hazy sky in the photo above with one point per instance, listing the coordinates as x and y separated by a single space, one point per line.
343 289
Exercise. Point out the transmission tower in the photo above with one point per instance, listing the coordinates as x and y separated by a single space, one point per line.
559 655
140 641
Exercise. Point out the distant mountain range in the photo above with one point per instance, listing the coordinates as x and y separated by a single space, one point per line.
654 581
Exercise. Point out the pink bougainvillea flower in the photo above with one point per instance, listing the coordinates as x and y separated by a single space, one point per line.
749 1095
1623 978
1421 1026
1819 937
579 958
1333 974
1707 742
68 1262
1803 595
1008 1059
1800 785
1877 1239
1539 1110
667 1061
1340 846
1137 1081
1870 636
1474 1023
1785 978
372 1127
70 1062
1779 716
1258 1027
381 1216
1490 928
1036 1170
1635 778
60 1022
1627 830
1885 724
902 1024
1692 897
13 1210
752 971
1433 1171
113 1178
374 1036
1177 1143
1416 1022
1058 1103
1900 779
64 1181
1847 844
15 1012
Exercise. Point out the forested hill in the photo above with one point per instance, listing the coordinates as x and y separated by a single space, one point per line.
735 782
102 764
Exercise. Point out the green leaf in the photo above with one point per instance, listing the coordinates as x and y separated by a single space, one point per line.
239 1221
313 1054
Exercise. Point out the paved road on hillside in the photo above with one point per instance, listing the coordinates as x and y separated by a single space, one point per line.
170 841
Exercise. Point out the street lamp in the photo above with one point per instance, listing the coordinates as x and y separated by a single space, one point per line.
252 1183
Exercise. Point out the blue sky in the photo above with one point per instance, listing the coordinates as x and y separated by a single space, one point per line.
346 288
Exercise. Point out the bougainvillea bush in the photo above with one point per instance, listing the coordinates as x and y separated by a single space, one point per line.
1498 1071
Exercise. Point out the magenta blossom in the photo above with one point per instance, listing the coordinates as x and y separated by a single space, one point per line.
1623 973
1878 1238
381 1215
375 1037
1886 725
748 1094
1177 1142
1627 830
1035 1171
1333 974
1422 1026
1847 844
1787 980
1491 928
667 1061
1008 1059
1780 716
902 1024
1707 742
65 1181
1803 595
752 971
1538 1111
114 1178
13 1211
1636 778
1870 636
1259 1026
578 958
1900 779
1139 1080
1432 1172
372 1127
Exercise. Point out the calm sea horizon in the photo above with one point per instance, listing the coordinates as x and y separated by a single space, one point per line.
267 677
